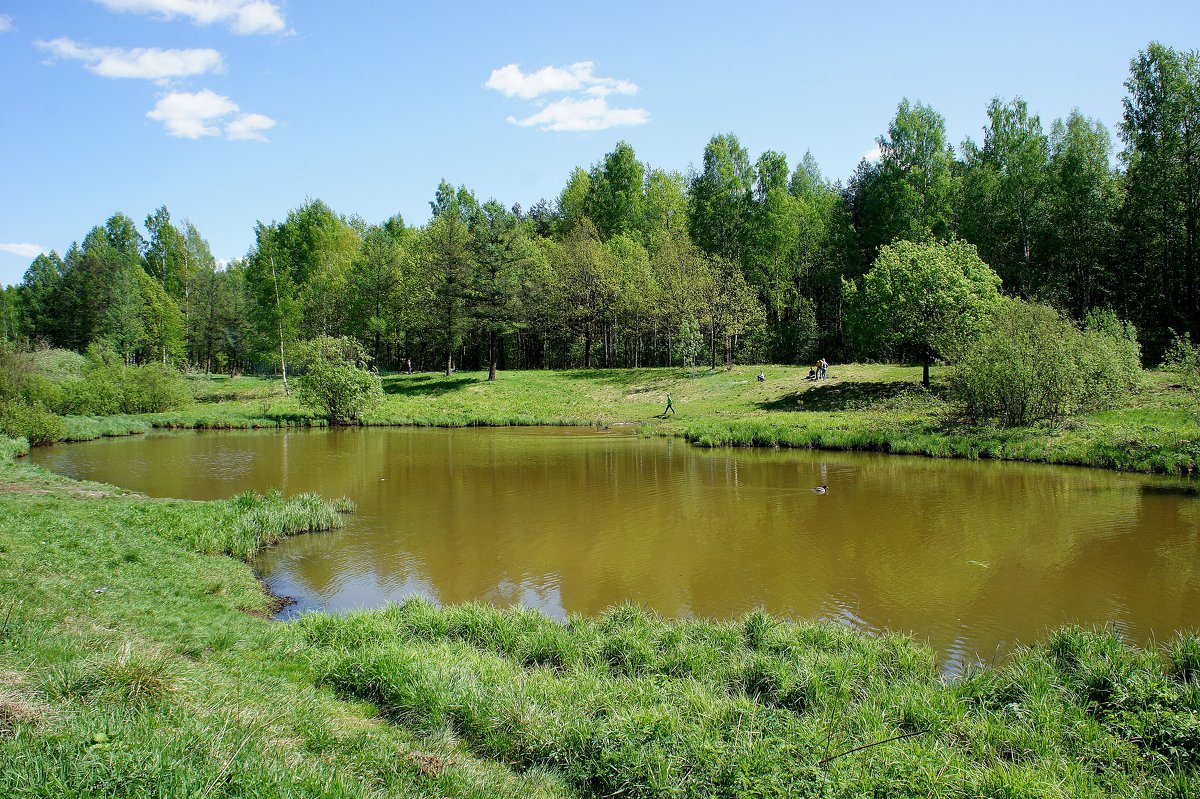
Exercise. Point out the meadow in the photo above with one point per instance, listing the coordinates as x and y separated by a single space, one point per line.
869 407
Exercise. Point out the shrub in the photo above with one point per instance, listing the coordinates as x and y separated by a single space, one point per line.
1184 357
336 379
1031 364
67 383
153 388
109 389
32 422
14 373
97 394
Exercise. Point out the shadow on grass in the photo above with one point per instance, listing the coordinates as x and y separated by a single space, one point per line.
848 396
424 385
294 418
642 377
616 377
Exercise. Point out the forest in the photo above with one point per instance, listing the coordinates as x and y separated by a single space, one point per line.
739 258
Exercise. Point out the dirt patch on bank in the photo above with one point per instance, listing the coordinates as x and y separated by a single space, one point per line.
75 492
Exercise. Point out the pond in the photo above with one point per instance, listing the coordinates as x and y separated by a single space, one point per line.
970 557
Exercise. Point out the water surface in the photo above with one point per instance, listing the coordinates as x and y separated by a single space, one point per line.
970 557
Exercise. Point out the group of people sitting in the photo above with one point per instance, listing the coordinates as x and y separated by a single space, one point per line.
818 371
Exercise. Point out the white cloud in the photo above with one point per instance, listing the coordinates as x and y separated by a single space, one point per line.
6 23
148 63
512 82
592 114
190 115
249 127
584 108
23 249
242 16
873 155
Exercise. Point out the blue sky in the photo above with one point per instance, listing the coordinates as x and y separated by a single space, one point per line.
234 111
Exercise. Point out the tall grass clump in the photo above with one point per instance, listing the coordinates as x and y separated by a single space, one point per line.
262 520
250 522
12 447
630 704
1032 364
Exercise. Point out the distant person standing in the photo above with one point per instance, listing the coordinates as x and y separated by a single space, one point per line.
670 406
822 366
408 365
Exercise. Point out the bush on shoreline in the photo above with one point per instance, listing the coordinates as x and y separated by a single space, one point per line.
1032 364
336 379
37 388
1183 357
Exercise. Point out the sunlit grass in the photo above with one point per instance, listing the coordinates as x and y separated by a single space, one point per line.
629 704
131 664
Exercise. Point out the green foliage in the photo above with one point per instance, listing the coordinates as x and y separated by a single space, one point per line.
688 344
97 385
22 390
1032 364
1162 191
925 299
31 422
1004 193
1183 357
336 379
152 388
111 388
756 256
915 183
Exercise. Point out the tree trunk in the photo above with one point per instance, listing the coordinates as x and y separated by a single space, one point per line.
279 314
491 356
925 372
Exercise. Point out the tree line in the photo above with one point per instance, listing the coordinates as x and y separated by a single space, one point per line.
633 265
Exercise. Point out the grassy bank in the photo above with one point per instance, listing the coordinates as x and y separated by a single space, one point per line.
631 705
135 660
861 407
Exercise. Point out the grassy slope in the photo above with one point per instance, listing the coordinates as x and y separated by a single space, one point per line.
869 407
132 664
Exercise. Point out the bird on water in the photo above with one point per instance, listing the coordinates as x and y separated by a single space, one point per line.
821 490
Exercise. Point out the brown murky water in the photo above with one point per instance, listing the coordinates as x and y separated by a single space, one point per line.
970 557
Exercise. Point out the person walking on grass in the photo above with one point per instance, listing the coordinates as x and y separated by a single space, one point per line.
670 406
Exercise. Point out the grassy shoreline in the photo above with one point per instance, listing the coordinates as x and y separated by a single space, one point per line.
876 408
135 659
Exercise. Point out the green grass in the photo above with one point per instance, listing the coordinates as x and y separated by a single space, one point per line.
136 660
132 664
868 407
631 705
